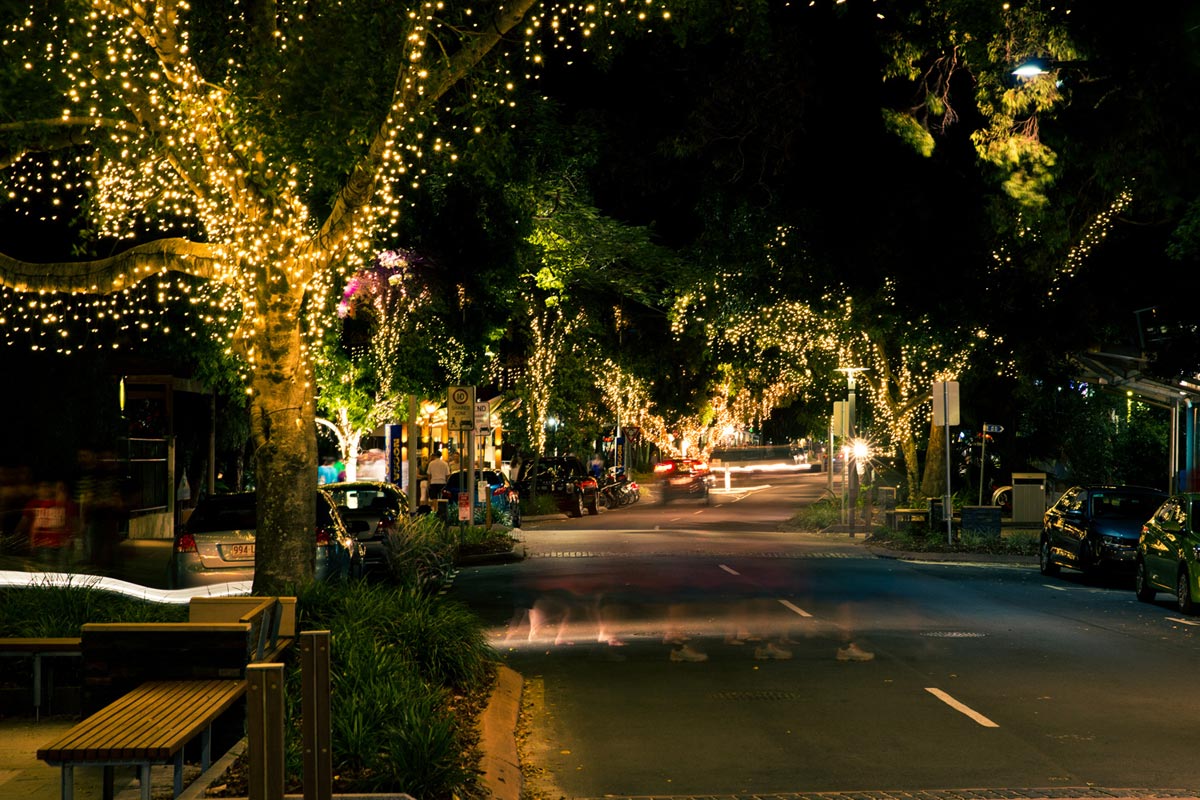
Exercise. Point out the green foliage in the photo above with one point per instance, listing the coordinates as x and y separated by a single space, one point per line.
909 131
816 516
399 657
50 610
420 552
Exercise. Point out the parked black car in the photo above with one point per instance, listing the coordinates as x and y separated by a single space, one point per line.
1096 526
371 511
567 480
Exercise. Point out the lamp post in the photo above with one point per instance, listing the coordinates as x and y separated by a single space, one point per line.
851 482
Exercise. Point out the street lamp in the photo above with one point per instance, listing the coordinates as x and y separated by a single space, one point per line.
552 426
851 482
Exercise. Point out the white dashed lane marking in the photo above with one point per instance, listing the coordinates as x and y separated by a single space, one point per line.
961 708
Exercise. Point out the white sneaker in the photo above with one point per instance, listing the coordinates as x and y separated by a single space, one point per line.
686 653
853 652
772 650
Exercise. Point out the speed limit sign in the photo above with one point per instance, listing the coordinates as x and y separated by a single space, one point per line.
460 410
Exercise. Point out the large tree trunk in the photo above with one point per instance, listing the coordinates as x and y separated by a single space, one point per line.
934 482
283 427
912 468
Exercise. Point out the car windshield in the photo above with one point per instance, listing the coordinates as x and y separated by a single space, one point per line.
1125 505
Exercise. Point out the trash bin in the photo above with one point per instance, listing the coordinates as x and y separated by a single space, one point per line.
935 519
886 497
1028 496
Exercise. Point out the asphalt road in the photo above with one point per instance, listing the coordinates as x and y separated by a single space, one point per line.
988 678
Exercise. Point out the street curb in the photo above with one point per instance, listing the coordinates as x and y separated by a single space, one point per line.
500 763
958 558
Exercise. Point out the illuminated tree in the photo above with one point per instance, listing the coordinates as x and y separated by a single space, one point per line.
246 155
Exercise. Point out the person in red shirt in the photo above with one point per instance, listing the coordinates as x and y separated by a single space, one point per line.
52 521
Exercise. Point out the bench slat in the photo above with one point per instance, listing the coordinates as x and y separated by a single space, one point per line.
152 723
29 645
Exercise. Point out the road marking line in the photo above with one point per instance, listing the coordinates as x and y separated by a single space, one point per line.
795 608
701 511
1184 621
1055 588
957 706
730 570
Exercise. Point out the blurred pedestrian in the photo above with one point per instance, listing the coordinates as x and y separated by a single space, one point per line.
327 472
51 521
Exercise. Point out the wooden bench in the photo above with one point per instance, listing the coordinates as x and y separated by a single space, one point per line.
147 726
223 635
37 648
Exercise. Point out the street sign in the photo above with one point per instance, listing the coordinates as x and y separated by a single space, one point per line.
460 408
483 417
993 428
945 403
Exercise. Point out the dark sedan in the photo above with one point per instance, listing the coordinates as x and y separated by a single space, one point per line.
567 480
1091 527
371 510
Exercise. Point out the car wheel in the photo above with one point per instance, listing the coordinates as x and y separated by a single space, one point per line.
1046 559
1141 583
593 507
577 509
1183 592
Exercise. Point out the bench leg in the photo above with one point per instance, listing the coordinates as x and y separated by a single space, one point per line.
144 780
178 787
206 749
106 782
68 782
37 687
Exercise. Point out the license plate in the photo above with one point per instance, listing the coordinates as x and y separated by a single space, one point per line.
238 552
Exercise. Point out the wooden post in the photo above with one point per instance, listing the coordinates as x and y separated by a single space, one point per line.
265 718
314 708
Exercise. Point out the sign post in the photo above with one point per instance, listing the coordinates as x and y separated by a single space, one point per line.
945 413
460 416
983 453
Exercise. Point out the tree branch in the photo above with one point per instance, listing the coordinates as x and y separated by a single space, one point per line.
113 274
410 97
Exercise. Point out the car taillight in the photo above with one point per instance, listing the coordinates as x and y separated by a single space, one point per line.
323 537
700 466
498 491
666 466
185 544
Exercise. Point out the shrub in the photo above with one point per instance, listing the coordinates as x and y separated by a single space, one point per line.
817 516
54 610
402 661
420 552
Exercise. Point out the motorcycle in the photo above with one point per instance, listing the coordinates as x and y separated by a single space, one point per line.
618 490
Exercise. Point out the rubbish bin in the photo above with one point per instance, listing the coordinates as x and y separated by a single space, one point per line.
1028 496
935 519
